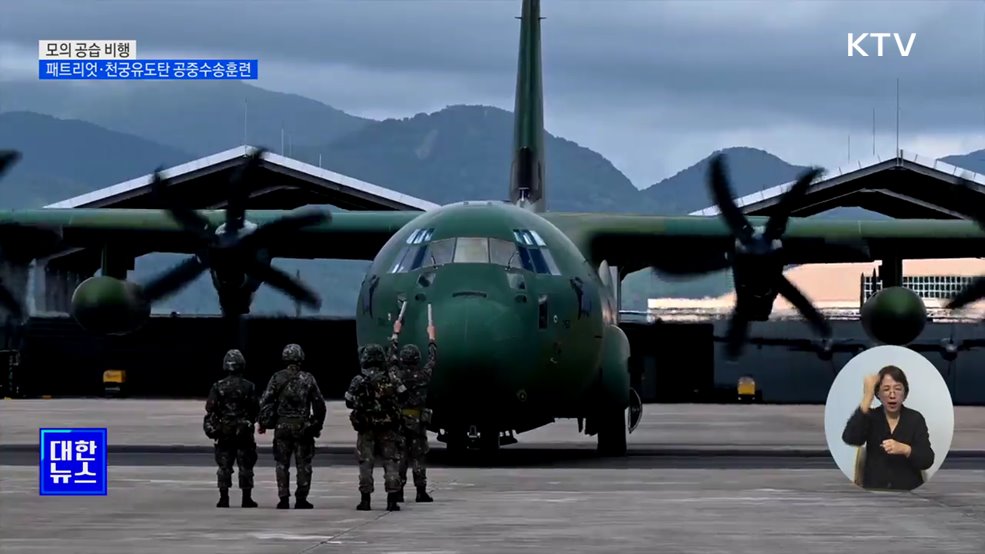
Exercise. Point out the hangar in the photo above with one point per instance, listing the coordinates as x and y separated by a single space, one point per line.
183 347
174 356
204 184
906 186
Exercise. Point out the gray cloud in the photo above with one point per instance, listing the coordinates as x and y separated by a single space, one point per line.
654 86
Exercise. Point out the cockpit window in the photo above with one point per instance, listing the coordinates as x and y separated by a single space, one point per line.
420 236
534 254
502 252
472 251
440 252
529 252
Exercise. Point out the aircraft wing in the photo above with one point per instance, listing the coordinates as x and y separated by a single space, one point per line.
696 244
348 235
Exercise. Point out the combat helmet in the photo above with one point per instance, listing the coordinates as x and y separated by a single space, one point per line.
372 356
410 355
233 361
292 354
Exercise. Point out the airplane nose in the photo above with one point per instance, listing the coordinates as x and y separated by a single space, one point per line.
480 350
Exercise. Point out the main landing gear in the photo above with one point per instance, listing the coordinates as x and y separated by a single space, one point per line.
612 428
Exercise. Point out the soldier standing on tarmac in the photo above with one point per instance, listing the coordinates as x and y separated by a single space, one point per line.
294 408
415 415
374 398
230 412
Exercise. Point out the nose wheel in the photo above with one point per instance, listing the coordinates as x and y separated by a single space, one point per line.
611 427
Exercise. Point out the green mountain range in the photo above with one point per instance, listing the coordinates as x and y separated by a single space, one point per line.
98 134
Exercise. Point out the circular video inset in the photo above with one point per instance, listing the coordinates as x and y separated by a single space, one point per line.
889 419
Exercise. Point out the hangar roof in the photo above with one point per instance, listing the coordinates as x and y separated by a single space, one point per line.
287 184
905 186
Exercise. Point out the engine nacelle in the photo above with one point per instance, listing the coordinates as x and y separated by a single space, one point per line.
895 315
109 306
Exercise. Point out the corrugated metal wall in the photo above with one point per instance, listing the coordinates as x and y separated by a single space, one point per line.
181 357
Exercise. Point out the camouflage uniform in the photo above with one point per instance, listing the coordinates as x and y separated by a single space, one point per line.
374 399
415 416
294 408
230 412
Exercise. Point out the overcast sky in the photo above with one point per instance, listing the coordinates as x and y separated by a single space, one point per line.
652 85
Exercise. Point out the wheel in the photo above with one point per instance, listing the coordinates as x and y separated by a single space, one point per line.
612 433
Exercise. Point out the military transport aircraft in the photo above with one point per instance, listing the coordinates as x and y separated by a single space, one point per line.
523 299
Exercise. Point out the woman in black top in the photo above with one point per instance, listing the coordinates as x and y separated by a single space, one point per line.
897 443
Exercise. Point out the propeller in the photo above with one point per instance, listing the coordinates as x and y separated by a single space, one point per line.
757 260
234 250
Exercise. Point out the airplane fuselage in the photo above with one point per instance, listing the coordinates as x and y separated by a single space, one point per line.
521 317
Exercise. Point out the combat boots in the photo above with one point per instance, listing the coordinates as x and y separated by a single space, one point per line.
223 499
285 503
247 499
391 502
423 496
363 503
301 502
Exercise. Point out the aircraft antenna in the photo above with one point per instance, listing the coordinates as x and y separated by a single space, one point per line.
897 117
246 110
319 160
282 140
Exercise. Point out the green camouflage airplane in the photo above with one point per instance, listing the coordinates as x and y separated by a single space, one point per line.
523 300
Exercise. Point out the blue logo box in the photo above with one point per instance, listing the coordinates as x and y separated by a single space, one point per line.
73 462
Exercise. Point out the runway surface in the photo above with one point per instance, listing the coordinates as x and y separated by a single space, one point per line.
699 479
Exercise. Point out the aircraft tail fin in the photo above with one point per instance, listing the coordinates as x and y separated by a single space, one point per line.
527 183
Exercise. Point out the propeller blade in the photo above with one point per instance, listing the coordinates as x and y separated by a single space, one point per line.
685 267
738 330
279 228
790 291
777 224
7 159
191 220
285 283
239 186
722 194
173 279
972 292
10 302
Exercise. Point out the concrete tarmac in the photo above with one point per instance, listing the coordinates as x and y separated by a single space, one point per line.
166 503
670 426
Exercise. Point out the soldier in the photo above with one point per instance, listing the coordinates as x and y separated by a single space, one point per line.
415 415
294 408
230 412
373 398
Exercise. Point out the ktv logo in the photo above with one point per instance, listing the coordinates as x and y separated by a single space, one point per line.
855 43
